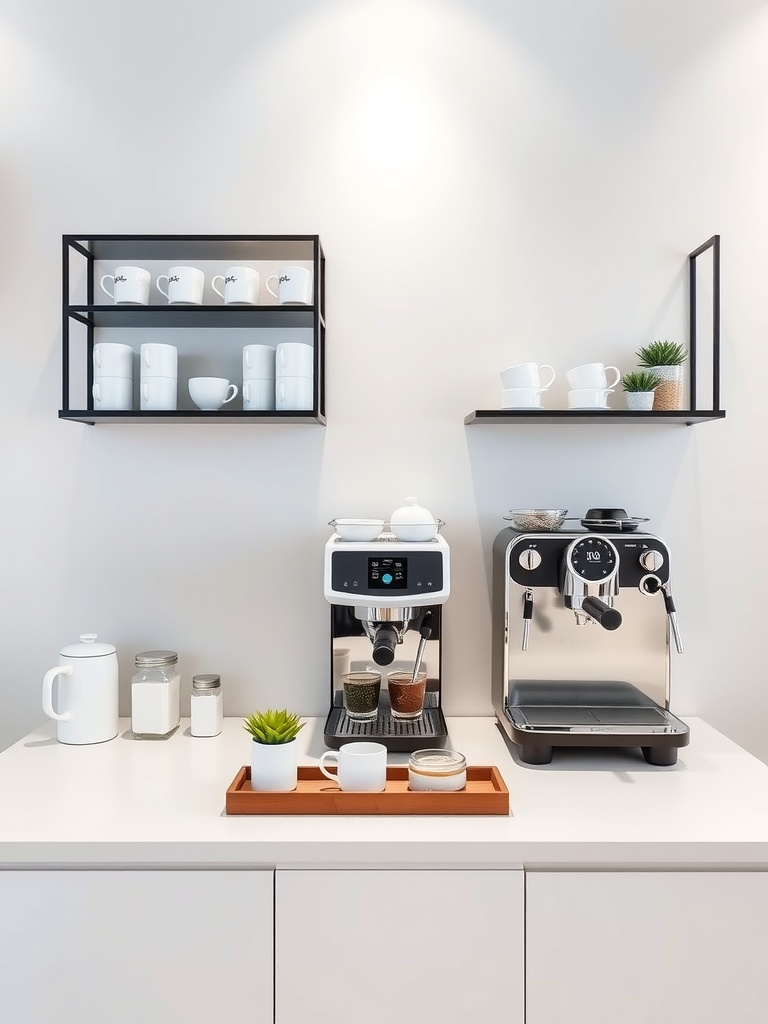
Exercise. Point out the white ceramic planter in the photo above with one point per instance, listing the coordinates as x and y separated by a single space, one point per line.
640 401
274 767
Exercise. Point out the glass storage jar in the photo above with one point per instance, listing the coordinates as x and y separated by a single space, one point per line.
206 711
437 769
155 695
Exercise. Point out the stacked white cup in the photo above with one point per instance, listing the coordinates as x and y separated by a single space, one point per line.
258 378
112 376
159 376
589 385
294 376
522 387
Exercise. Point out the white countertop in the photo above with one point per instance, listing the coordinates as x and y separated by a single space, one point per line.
127 803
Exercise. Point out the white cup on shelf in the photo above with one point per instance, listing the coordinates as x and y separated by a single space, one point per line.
111 359
294 286
210 393
158 393
115 393
592 375
258 394
241 286
130 286
293 393
185 286
158 360
589 398
521 398
526 375
294 359
258 362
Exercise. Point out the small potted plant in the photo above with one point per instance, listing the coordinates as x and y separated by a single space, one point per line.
274 761
640 388
665 359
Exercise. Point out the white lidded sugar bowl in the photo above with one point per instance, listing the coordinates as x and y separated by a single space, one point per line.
87 692
412 522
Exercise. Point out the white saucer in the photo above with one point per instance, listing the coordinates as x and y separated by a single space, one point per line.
589 408
522 408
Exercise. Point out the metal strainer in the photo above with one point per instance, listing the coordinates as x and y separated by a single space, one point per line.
537 518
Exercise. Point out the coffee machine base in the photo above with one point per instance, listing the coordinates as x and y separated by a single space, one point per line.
573 714
397 734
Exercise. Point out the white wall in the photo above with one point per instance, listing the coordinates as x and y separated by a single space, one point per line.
492 182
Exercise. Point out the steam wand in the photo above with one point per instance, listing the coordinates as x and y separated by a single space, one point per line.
425 633
652 586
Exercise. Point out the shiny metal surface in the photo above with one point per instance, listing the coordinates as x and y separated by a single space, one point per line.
404 614
651 560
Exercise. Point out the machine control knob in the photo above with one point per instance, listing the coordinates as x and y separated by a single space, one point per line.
651 560
530 558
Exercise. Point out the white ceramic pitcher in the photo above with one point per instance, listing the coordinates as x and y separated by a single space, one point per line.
87 692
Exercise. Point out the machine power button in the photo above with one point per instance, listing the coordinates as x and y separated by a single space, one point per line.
530 558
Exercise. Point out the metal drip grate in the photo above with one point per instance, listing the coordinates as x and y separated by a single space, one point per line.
396 733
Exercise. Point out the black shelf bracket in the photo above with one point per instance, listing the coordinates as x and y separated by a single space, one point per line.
712 243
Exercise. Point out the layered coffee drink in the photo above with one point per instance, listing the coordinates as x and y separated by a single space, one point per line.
406 695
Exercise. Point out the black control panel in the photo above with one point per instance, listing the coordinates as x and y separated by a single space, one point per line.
593 559
366 575
549 550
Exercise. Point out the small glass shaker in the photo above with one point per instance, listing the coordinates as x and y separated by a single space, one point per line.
206 706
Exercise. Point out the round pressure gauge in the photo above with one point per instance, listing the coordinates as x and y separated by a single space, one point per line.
593 559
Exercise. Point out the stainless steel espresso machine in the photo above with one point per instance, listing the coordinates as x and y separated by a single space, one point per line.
581 643
386 597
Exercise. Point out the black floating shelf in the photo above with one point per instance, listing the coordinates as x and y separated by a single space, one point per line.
92 416
683 417
194 316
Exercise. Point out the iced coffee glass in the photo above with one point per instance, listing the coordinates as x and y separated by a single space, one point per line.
406 695
361 694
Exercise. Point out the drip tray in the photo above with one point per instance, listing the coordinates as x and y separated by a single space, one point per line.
594 719
397 734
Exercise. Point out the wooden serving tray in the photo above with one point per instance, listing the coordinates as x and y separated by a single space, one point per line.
315 794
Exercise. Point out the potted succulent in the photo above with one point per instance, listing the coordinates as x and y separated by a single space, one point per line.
274 762
665 359
640 389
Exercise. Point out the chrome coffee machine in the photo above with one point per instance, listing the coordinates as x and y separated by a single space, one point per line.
581 642
386 597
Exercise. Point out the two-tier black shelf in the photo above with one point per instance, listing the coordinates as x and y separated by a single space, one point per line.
84 259
697 413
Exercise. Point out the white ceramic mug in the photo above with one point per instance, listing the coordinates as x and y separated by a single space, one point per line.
592 375
210 393
589 398
130 285
258 395
112 360
158 393
258 361
293 393
113 393
185 285
294 359
159 360
521 398
360 767
294 286
241 286
526 375
87 692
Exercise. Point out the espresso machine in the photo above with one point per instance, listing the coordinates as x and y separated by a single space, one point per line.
386 599
581 642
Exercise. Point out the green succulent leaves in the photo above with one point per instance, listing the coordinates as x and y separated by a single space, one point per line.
641 380
273 726
661 353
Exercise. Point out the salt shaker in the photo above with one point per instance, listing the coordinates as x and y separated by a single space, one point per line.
155 695
206 710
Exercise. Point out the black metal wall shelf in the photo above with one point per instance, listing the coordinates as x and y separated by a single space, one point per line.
683 417
81 312
93 416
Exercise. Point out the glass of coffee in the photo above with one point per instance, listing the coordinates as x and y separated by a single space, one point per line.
361 694
406 695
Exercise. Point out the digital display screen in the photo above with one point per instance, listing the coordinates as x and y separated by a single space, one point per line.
388 573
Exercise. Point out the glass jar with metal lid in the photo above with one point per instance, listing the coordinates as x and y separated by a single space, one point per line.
206 711
155 695
437 769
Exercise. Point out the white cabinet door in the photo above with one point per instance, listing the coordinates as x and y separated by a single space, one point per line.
640 947
119 947
399 947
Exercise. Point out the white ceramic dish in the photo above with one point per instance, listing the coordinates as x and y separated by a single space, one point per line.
363 530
